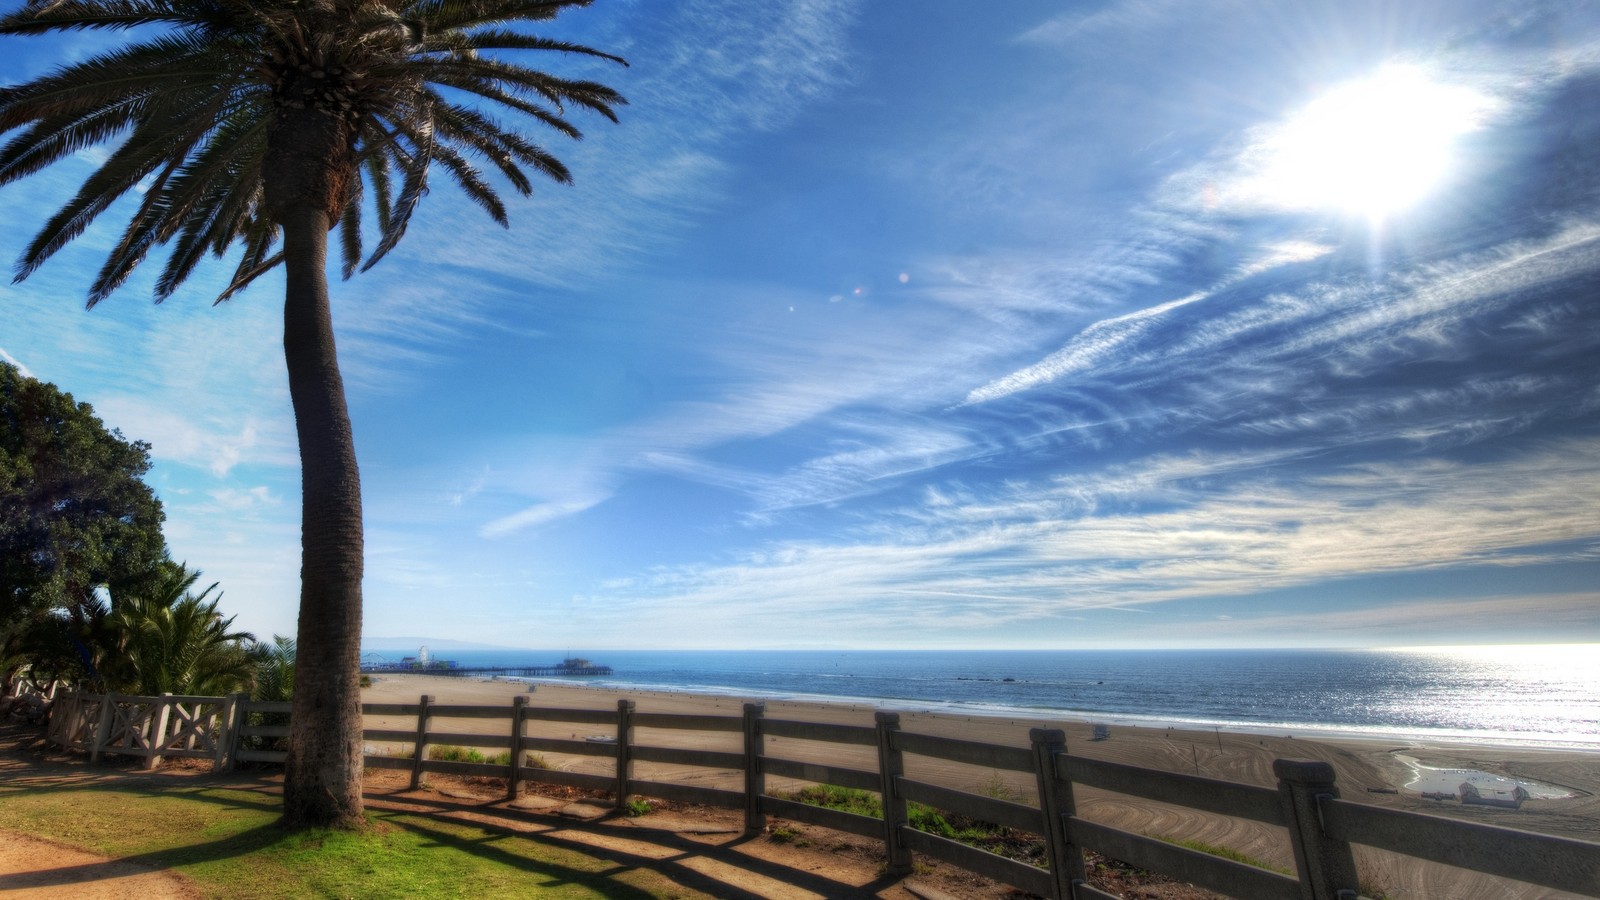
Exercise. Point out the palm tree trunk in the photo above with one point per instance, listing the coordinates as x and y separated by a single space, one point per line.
322 782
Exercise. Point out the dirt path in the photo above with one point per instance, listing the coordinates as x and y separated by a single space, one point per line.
32 868
35 869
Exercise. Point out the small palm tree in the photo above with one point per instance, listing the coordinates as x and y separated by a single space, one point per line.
272 680
171 640
261 125
273 675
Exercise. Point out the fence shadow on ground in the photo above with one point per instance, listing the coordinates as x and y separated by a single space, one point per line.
721 867
684 860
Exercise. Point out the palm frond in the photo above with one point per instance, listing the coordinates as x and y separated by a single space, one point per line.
66 15
471 182
501 39
491 91
142 233
442 14
143 153
255 262
350 231
231 157
560 91
501 148
193 240
52 140
159 71
210 200
377 171
415 185
198 204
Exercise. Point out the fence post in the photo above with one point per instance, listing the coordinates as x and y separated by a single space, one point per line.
420 755
1326 867
64 715
192 728
624 750
156 737
1056 802
518 704
755 781
222 734
236 724
102 728
891 765
85 720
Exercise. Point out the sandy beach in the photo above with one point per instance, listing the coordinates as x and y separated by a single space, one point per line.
1366 770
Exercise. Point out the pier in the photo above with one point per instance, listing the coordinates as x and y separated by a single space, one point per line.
414 666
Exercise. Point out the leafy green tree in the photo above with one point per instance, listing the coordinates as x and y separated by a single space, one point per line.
168 639
75 516
254 123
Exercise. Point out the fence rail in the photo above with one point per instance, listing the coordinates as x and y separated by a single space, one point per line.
1320 828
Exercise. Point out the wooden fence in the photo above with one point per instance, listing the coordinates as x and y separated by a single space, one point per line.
1319 827
151 727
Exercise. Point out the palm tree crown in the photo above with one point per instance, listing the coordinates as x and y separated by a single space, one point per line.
172 640
202 112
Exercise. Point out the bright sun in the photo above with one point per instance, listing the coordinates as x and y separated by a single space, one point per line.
1370 147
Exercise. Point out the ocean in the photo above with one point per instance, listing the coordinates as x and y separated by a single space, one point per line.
1521 695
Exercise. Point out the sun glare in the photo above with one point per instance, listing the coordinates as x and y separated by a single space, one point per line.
1371 147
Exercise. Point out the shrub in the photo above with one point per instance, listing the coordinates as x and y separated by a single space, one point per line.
994 838
996 788
850 800
783 834
451 753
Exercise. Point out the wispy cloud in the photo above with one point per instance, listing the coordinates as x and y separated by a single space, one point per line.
236 499
1108 337
1175 529
1090 347
539 514
1511 617
1120 18
181 437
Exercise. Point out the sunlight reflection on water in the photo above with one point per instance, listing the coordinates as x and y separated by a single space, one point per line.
1529 696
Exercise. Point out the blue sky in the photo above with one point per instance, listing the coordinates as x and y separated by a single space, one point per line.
943 324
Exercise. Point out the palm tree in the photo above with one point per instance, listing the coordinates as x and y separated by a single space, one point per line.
171 640
273 675
273 681
250 122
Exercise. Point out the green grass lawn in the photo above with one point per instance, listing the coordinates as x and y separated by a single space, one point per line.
226 842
